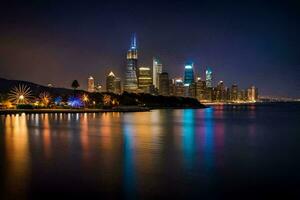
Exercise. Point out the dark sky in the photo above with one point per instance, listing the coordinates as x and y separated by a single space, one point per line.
245 42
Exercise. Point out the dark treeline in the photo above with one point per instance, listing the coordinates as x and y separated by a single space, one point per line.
125 99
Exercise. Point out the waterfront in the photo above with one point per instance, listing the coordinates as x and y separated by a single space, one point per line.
244 151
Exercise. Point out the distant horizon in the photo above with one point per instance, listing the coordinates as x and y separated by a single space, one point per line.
245 43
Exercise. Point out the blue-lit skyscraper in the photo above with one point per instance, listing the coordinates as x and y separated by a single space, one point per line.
208 77
131 79
189 77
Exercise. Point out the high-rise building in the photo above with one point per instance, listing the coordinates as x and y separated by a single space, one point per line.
117 86
91 84
145 79
164 84
234 92
242 95
220 92
179 87
113 83
209 94
172 87
189 74
157 69
98 87
192 90
110 82
131 79
252 94
208 77
200 89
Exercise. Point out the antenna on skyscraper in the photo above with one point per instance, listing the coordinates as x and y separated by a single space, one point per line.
133 41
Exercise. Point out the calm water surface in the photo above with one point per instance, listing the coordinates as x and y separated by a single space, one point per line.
249 151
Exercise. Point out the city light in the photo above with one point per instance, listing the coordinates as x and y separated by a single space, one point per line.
45 98
20 94
85 98
75 102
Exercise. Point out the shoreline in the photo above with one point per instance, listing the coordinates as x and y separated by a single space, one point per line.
66 111
58 111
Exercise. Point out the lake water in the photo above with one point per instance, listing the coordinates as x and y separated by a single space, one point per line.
242 151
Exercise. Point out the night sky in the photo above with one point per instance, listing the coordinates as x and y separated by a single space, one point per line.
248 43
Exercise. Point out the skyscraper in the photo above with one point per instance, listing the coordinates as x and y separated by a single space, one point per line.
110 82
164 84
91 84
157 69
200 89
179 87
220 91
234 92
145 79
131 79
117 85
208 77
252 94
189 74
113 83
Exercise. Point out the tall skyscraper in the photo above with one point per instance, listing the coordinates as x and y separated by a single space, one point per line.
113 83
91 84
117 86
157 69
208 77
189 77
220 91
234 92
164 84
98 87
252 94
200 89
110 82
179 87
145 79
131 79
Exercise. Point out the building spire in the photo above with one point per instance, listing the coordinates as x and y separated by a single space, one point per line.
133 41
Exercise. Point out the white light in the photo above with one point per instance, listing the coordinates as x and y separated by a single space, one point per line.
188 67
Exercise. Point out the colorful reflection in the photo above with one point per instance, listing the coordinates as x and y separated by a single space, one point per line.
46 136
84 135
208 140
188 136
17 157
129 178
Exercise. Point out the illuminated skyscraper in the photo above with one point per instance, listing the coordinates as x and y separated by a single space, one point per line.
164 84
113 83
131 79
234 92
91 84
145 79
220 92
200 89
252 94
98 87
117 85
179 87
189 74
208 77
157 69
110 82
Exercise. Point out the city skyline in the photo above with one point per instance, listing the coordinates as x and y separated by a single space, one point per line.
256 55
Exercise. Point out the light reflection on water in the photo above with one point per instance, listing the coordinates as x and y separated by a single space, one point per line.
133 154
